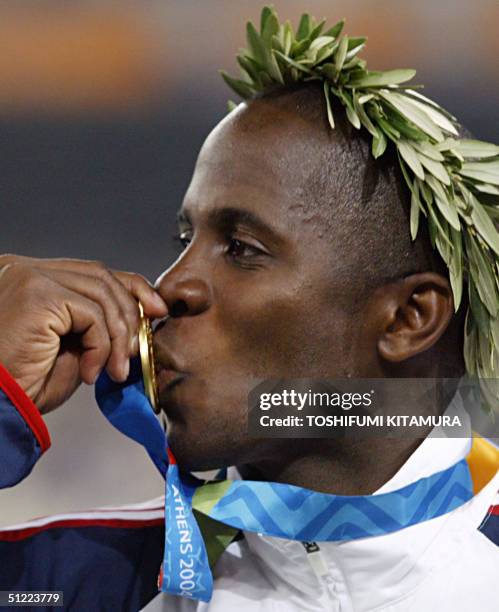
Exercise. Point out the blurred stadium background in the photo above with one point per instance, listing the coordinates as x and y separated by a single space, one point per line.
103 107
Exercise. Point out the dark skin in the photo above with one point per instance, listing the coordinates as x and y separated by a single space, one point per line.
261 290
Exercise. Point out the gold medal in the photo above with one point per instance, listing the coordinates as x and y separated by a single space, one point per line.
147 360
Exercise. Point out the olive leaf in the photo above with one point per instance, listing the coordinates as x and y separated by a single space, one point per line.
251 69
382 79
436 116
269 25
256 46
475 148
412 93
293 63
341 53
336 29
242 88
328 103
485 171
486 188
355 45
425 148
287 37
317 30
484 279
406 107
411 158
379 144
353 117
446 207
363 116
478 309
303 27
470 343
408 130
456 268
483 224
416 207
434 167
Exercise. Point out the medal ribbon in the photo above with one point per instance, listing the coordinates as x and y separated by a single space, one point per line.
274 509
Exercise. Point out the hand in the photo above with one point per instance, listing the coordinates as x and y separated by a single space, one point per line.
62 321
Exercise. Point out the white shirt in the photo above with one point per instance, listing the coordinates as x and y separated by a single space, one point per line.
443 564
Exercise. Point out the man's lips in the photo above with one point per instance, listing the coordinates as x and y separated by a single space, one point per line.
168 373
166 379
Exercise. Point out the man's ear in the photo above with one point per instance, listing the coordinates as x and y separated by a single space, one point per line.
415 312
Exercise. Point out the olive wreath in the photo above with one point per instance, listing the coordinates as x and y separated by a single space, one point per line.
453 182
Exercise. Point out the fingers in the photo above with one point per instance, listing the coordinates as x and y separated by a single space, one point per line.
137 285
111 297
120 313
88 319
153 303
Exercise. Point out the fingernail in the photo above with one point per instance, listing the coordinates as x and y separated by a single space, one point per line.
158 301
126 370
134 345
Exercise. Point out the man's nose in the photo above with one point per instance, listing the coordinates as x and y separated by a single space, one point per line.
184 297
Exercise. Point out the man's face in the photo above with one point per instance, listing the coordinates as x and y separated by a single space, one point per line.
258 292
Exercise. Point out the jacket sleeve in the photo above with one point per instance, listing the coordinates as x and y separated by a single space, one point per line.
23 434
101 560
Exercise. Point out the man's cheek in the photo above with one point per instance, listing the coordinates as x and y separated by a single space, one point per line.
270 342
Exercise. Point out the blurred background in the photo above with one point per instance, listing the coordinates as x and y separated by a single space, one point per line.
103 108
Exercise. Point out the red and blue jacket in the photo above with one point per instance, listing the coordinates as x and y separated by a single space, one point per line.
100 563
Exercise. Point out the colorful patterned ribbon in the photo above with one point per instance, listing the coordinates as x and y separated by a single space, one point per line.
274 509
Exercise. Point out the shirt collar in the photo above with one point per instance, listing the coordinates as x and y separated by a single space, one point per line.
437 452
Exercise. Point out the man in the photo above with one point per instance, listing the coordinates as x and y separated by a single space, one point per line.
297 263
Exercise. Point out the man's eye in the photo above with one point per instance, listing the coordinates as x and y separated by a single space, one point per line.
184 238
239 249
